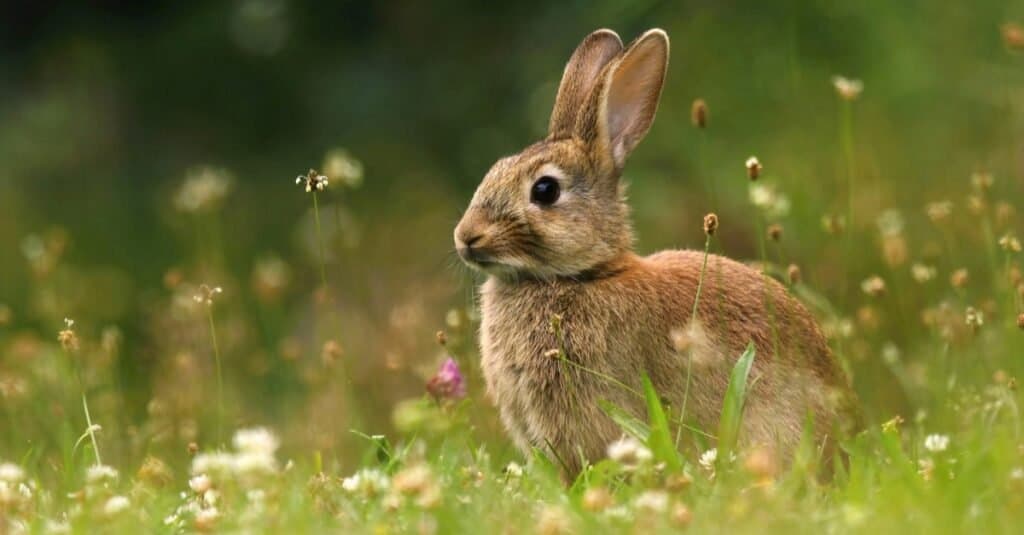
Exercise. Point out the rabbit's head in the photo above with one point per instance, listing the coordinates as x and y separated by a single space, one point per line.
557 208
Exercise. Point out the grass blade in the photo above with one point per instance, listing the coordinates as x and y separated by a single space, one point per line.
659 439
732 405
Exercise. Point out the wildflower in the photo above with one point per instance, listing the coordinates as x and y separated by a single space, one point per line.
699 113
681 515
678 482
1004 213
200 484
873 286
982 181
754 168
847 88
652 501
833 224
976 204
939 211
331 352
513 469
926 469
922 273
936 443
1013 36
708 459
1010 243
116 505
11 473
775 232
343 166
959 278
761 464
597 499
766 198
206 518
629 452
442 338
217 462
369 482
312 181
710 224
67 337
204 189
207 294
893 424
270 277
974 318
793 273
154 472
1020 321
99 473
448 382
554 520
890 223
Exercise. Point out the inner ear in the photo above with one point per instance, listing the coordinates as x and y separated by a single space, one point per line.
580 76
631 97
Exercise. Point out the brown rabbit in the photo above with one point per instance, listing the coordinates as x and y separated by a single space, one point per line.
551 229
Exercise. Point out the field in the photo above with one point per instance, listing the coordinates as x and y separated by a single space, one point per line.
199 333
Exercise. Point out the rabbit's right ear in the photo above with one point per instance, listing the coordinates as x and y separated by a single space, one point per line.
579 78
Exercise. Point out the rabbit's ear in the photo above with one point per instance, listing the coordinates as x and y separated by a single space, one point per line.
580 77
623 104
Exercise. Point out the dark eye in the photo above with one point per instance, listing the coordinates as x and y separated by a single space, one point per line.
545 191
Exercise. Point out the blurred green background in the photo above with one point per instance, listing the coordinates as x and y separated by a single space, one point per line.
107 107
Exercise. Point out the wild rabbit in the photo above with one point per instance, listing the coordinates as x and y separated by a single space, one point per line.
550 227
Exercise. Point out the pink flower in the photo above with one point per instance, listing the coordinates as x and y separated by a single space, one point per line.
448 382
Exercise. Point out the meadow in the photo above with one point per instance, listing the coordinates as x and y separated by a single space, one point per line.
200 333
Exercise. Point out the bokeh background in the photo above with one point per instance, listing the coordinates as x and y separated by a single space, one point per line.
108 109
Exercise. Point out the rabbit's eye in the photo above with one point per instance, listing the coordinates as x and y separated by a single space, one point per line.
545 191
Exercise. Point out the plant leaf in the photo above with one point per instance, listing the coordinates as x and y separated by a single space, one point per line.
660 437
630 425
732 405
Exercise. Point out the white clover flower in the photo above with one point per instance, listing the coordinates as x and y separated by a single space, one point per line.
200 484
256 440
629 452
514 470
116 505
654 501
99 473
11 473
204 189
936 443
922 273
708 458
847 88
253 463
217 463
368 481
206 517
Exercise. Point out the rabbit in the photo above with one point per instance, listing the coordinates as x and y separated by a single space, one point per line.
571 317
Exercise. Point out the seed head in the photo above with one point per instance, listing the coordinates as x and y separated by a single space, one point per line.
974 318
793 271
1010 243
442 338
597 499
848 89
982 181
1013 36
312 181
710 224
959 278
699 113
775 232
207 294
681 515
833 224
873 286
67 337
754 168
939 211
1020 321
922 273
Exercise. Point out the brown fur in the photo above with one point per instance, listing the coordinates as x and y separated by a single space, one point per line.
574 259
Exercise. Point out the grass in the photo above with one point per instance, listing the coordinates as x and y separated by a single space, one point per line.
353 445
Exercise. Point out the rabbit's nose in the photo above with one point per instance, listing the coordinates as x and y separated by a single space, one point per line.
470 239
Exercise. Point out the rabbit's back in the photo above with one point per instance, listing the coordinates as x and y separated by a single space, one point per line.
634 317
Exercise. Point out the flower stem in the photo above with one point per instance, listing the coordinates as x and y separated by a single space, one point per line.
320 241
220 377
693 319
88 418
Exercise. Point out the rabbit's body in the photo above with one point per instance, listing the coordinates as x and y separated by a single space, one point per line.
550 226
618 325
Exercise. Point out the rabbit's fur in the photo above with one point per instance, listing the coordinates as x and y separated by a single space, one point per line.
618 315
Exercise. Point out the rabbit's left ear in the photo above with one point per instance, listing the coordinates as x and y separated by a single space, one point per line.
623 104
